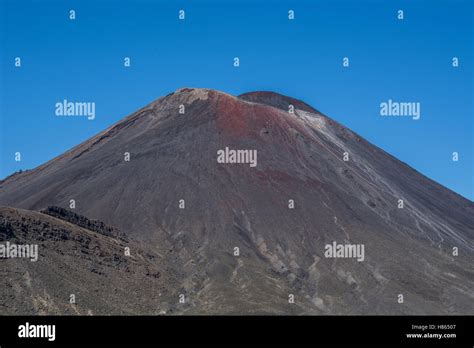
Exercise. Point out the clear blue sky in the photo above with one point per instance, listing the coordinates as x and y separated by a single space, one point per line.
82 60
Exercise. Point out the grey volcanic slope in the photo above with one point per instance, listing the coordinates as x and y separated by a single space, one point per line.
408 251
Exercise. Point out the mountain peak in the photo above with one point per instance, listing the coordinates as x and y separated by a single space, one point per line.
187 95
270 98
242 172
276 100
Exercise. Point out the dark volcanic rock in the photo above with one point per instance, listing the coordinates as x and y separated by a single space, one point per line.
75 261
82 221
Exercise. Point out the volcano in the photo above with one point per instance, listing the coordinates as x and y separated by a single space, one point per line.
306 217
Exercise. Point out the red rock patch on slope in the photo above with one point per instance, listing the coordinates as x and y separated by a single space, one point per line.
237 118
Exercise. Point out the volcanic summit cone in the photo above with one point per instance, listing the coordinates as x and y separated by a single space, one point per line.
235 237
